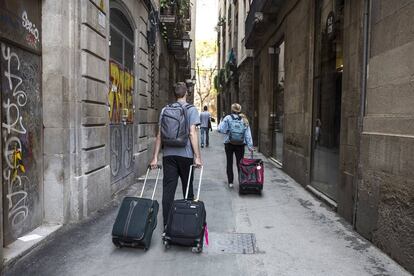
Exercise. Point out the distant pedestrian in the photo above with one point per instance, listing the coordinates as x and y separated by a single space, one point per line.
318 128
237 134
205 126
180 146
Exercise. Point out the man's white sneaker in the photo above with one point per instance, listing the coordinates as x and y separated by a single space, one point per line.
230 185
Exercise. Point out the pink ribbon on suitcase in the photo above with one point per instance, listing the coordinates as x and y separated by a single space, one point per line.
206 234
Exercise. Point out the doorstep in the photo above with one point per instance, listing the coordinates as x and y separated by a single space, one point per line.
25 244
275 162
332 204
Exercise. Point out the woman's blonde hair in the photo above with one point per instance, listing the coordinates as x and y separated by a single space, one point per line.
236 108
244 118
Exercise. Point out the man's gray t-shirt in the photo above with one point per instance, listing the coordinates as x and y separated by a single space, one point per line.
187 151
204 118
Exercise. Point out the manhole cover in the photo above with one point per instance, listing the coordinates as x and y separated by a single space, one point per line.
231 243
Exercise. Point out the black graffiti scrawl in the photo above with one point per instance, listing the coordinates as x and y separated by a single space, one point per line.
121 151
21 140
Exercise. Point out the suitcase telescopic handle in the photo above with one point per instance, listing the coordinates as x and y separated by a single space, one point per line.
159 167
199 181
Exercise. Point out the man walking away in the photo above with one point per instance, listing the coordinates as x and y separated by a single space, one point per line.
177 134
205 118
237 134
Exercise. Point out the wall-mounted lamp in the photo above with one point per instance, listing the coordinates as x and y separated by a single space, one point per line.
186 41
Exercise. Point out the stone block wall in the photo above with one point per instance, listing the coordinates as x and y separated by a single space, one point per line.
298 91
59 102
386 185
350 109
265 102
77 177
93 174
245 71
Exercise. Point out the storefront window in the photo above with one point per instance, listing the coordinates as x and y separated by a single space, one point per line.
277 115
327 96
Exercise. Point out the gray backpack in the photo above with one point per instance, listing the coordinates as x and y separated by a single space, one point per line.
175 128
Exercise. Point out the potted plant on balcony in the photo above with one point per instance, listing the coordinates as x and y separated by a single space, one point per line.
184 8
167 7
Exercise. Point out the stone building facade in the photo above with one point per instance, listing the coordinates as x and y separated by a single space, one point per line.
332 88
235 62
83 82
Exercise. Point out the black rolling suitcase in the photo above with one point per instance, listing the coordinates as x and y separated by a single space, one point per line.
136 219
187 221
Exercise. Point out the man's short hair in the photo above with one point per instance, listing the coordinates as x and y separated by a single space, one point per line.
180 89
205 108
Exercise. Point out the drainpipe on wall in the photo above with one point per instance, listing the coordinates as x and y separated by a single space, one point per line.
365 68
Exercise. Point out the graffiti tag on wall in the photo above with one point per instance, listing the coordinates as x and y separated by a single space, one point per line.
121 114
12 151
121 150
120 94
20 22
21 126
32 37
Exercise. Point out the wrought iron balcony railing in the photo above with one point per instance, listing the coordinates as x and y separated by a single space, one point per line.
255 7
260 13
168 15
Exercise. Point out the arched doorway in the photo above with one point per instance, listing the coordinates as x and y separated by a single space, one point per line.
120 96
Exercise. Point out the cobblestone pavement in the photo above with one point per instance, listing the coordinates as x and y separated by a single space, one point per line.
286 231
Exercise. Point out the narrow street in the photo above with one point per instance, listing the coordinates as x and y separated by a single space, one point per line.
295 234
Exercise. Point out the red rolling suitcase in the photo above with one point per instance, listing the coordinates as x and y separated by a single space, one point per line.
251 177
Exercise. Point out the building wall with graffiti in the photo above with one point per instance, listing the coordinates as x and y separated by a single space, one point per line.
121 93
79 108
121 115
21 131
120 97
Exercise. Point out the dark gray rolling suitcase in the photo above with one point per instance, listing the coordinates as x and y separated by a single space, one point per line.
136 219
187 221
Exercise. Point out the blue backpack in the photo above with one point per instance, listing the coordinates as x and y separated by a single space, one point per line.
237 130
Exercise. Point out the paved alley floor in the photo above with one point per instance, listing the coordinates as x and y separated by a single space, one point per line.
295 234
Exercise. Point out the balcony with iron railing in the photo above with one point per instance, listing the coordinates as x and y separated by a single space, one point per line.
244 53
168 13
175 16
261 14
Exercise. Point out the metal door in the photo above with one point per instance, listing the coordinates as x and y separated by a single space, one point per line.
120 97
21 135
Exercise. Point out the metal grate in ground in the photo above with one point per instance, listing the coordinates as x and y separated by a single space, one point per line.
231 243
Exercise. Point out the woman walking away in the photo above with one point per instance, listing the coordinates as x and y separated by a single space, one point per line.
237 134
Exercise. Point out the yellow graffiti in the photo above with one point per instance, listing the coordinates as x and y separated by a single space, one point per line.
120 94
101 5
17 163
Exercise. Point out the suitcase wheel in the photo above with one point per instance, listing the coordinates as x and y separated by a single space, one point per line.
116 243
197 249
167 245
